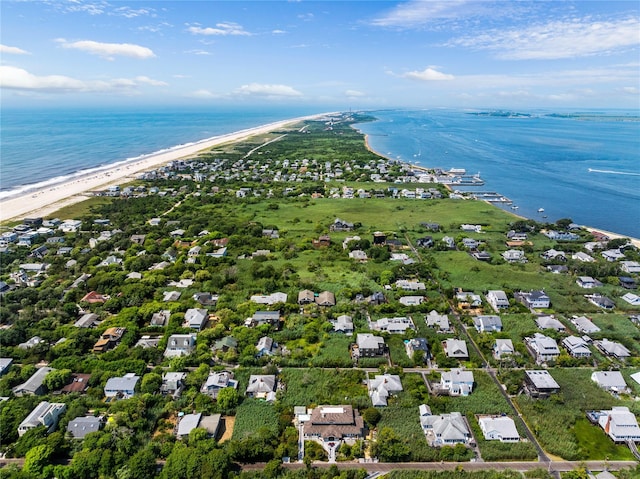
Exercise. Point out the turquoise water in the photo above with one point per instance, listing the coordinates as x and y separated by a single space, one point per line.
42 146
584 166
539 159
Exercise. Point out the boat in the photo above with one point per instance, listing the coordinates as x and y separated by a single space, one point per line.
514 207
540 210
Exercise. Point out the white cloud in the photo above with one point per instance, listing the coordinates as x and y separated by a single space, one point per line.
149 81
567 38
204 94
260 89
14 78
109 50
278 32
13 50
419 12
198 52
630 90
129 12
221 29
428 74
354 93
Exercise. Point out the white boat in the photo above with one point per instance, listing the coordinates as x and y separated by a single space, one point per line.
540 210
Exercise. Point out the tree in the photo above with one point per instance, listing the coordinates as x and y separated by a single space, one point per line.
142 465
228 398
151 383
371 416
56 379
36 459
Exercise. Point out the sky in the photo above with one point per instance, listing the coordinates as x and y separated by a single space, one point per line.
343 54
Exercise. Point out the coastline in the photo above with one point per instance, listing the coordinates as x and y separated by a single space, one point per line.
610 234
45 201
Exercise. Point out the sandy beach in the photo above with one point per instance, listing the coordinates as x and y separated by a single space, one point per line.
46 201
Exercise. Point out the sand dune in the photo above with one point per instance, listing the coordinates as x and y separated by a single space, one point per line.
46 201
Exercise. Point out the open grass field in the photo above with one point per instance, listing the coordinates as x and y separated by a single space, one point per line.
556 421
253 415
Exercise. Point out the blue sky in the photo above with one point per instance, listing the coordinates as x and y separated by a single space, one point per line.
337 54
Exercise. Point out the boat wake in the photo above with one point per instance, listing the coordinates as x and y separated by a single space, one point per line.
612 172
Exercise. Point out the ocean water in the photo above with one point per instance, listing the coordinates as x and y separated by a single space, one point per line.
537 159
44 146
581 165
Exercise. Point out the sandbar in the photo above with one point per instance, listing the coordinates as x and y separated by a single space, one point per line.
43 202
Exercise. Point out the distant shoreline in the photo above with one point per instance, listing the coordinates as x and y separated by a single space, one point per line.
54 196
610 234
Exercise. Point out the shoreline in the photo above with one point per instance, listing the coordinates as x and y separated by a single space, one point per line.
610 234
54 196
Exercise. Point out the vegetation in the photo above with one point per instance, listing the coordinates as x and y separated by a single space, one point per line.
261 231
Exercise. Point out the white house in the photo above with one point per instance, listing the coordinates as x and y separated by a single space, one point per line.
620 424
439 321
576 347
584 325
458 382
543 348
497 299
609 381
501 428
383 386
444 429
549 322
455 348
487 323
180 345
502 348
121 387
44 414
398 325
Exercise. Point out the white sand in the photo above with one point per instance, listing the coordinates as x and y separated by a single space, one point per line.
41 203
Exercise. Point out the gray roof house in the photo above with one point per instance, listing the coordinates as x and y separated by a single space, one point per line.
576 347
44 414
540 384
439 321
457 382
217 381
383 386
121 387
620 424
502 348
88 320
196 318
609 380
543 348
180 345
487 323
189 422
266 346
370 345
613 349
417 344
83 425
549 322
500 428
398 325
343 324
5 364
262 386
455 348
172 383
497 299
34 385
444 429
161 318
584 325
